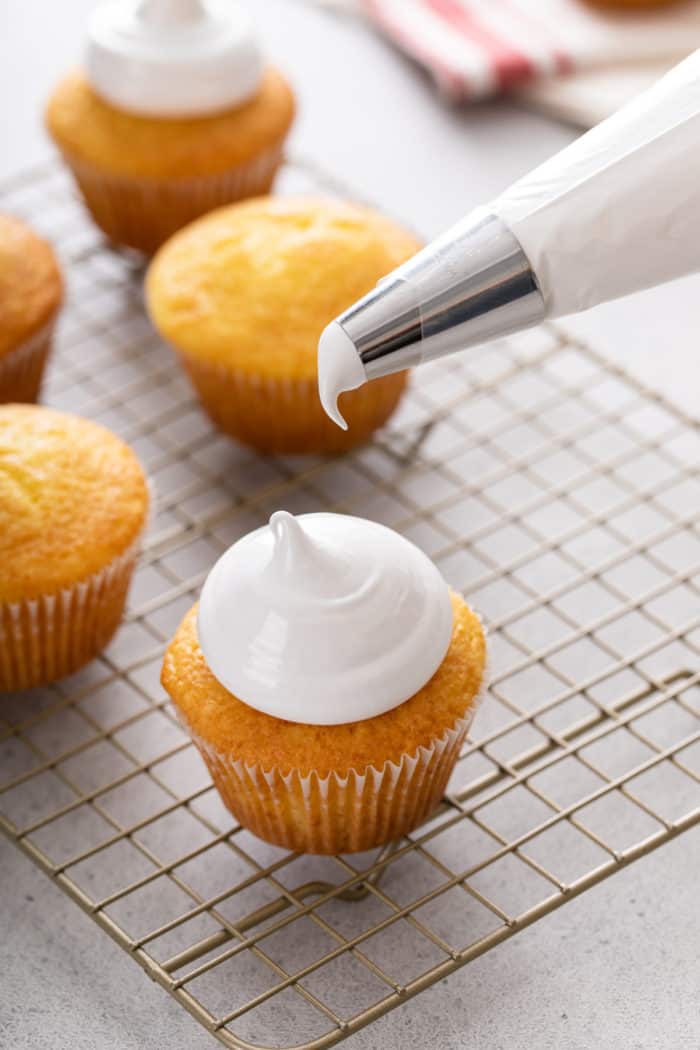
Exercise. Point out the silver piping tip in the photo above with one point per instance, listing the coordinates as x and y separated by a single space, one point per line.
339 369
473 284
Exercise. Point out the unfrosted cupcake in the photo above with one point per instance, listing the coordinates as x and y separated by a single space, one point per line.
31 290
73 504
328 678
243 294
174 115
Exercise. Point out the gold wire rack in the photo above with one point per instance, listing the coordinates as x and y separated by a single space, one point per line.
557 493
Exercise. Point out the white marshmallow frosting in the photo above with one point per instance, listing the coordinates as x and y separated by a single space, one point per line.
172 58
324 618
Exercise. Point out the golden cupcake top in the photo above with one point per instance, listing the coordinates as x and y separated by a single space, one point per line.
30 283
231 726
89 129
73 497
253 285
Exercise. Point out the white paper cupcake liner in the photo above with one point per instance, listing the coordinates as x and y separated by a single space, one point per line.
143 213
284 415
22 368
46 638
333 813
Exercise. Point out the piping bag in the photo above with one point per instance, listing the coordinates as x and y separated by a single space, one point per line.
615 212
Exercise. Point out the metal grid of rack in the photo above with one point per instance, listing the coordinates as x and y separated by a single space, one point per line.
556 493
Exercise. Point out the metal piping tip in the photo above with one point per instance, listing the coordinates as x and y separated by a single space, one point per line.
473 284
339 369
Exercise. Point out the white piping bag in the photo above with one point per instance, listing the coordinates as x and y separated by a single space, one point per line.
615 212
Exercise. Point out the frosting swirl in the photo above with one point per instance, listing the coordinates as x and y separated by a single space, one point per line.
324 618
172 58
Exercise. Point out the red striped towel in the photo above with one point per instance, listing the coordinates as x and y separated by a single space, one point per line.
477 48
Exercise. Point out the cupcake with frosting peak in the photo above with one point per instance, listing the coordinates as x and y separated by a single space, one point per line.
173 114
328 677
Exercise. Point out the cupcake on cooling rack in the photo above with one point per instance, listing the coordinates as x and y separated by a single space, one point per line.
173 115
73 505
31 290
243 294
328 678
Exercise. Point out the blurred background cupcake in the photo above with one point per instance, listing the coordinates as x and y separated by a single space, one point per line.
243 294
73 505
328 678
632 5
31 290
174 114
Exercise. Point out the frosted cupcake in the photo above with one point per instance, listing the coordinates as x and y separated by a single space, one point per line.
243 294
328 678
31 290
73 504
175 114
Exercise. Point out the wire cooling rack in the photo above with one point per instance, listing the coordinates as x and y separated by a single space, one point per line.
559 495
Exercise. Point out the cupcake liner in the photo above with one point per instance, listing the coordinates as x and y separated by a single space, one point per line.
142 213
46 638
361 809
22 369
285 415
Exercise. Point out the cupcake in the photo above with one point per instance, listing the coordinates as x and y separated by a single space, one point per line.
174 115
243 294
73 504
31 290
632 5
328 678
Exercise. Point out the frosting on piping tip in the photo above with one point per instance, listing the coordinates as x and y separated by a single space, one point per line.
324 618
173 58
339 369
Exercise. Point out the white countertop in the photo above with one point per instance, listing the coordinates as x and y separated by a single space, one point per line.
618 967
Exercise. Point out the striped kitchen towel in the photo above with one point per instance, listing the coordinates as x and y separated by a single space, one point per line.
477 48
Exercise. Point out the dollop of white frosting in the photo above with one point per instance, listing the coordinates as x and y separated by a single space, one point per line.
173 58
340 368
324 618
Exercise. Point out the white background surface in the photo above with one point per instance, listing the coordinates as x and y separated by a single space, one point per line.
617 969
